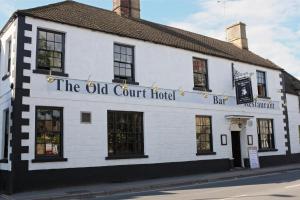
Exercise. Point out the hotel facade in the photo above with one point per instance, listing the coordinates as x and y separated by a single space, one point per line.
91 95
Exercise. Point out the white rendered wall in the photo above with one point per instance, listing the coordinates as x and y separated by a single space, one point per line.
5 91
169 127
294 121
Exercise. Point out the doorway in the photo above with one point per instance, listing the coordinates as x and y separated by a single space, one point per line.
236 148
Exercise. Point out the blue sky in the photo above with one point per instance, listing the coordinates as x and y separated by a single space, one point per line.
273 26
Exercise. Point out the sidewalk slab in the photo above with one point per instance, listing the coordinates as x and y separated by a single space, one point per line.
89 191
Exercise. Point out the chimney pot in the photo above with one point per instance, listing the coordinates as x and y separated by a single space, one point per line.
236 34
127 8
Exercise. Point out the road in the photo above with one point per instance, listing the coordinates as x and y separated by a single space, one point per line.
282 185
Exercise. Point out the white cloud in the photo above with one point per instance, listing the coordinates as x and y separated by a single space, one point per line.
271 26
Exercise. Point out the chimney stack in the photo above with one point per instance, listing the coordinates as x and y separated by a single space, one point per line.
127 8
236 34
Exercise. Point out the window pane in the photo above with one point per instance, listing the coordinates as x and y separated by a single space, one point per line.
58 38
42 35
50 36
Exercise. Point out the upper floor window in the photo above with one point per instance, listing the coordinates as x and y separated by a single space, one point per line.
299 133
200 74
8 55
204 134
124 62
265 134
261 84
50 50
49 132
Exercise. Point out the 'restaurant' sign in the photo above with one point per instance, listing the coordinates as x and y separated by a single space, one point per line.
243 90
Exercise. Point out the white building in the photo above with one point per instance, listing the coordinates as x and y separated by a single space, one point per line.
94 95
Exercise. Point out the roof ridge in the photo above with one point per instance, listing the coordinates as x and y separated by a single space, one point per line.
181 35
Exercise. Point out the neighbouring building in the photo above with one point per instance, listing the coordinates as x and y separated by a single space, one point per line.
90 95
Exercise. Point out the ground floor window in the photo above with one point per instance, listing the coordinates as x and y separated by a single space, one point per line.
299 133
5 134
265 134
125 134
204 134
49 132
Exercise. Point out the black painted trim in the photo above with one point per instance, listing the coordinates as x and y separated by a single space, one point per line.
6 76
206 153
201 89
44 160
123 81
267 150
56 178
4 161
286 115
19 167
47 72
126 157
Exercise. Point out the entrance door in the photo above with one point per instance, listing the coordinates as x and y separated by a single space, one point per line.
236 148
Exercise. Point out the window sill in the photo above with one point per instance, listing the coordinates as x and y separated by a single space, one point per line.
202 89
267 150
47 72
3 161
126 157
6 76
262 97
123 81
206 153
43 160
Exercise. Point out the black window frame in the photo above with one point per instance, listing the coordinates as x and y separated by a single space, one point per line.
9 43
122 79
117 155
6 127
46 70
264 84
211 150
197 87
270 137
60 156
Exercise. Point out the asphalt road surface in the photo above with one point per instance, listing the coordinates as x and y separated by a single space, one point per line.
276 186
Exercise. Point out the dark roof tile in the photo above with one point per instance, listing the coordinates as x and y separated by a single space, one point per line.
85 16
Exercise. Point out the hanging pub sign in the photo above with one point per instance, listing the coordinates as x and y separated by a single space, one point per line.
243 90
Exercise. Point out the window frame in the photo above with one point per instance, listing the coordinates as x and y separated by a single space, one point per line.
9 51
265 84
299 133
60 156
63 54
211 151
126 156
270 143
133 78
206 88
5 135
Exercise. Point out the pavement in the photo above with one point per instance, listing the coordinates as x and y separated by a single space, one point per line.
110 190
